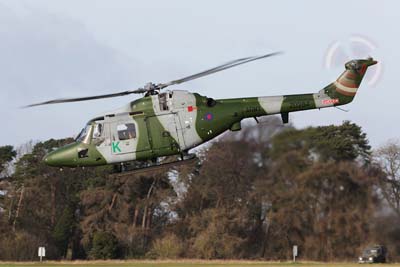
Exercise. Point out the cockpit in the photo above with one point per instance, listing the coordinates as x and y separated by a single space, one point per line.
80 152
100 138
97 131
93 132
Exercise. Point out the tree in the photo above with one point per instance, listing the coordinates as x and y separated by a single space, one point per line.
345 142
388 157
252 198
63 231
325 209
131 208
253 194
221 213
387 172
44 195
321 191
7 153
104 246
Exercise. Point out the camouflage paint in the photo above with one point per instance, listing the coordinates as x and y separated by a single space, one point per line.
68 156
175 121
212 121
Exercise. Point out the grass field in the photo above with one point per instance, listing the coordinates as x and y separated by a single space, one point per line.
184 263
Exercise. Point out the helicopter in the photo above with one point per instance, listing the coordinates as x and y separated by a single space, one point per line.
167 123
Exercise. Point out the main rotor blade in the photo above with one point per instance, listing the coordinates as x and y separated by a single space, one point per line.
66 100
153 87
222 67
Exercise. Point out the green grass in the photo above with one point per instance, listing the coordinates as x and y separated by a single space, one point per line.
184 263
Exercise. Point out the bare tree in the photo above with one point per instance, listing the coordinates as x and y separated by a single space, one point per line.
388 157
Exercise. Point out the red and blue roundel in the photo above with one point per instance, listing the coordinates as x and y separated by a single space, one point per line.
209 116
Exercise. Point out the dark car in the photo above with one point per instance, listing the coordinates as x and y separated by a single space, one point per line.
373 254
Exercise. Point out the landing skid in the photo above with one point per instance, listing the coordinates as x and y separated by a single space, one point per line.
156 167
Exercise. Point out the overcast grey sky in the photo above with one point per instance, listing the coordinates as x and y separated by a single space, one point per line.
51 49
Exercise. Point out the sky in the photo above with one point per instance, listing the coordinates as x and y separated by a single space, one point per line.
69 48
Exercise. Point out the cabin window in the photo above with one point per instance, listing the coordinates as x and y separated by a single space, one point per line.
162 98
126 131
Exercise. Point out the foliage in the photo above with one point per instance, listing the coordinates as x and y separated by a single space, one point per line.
215 241
104 246
63 230
168 247
254 194
388 158
19 246
304 187
7 153
338 143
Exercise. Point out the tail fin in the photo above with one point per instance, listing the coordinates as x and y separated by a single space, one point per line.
345 87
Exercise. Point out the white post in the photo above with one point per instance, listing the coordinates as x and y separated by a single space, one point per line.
294 253
41 253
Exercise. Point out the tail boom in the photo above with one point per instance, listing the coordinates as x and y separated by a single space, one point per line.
340 92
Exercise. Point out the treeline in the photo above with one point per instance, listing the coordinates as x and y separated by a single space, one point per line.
252 195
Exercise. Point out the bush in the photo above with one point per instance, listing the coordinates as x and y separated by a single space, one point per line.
215 243
169 247
19 246
105 246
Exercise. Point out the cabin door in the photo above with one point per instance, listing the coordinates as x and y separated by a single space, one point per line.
163 133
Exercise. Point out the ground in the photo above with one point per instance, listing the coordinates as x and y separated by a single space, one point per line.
184 263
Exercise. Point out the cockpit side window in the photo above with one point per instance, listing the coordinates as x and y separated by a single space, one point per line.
98 133
98 130
126 131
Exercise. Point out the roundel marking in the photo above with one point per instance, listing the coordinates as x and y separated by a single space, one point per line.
209 116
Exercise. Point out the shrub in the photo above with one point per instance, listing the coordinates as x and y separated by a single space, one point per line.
105 246
169 247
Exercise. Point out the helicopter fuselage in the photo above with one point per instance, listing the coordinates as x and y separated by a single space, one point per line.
173 122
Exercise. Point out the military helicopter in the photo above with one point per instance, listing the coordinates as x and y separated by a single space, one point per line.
168 123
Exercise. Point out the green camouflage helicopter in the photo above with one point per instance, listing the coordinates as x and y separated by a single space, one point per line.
170 123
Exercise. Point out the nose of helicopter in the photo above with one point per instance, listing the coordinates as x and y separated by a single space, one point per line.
54 159
61 157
